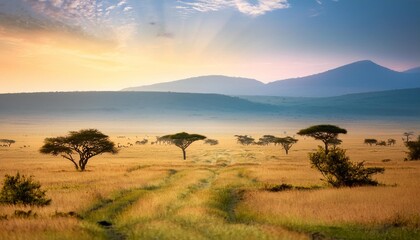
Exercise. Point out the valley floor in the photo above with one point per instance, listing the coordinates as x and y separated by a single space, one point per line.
219 192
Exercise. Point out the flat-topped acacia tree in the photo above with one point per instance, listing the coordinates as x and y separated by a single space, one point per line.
286 143
8 142
326 133
83 144
183 140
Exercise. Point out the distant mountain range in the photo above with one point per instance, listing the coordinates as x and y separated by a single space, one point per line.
357 77
158 106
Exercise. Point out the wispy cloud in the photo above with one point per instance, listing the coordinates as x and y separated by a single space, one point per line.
261 8
96 19
244 6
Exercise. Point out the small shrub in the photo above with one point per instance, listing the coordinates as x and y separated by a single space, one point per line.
286 187
413 149
279 188
142 142
336 167
67 214
22 190
24 214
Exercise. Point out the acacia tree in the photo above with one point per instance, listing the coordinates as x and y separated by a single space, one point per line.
326 133
286 143
266 140
245 139
335 142
85 144
391 142
407 136
7 141
183 140
370 141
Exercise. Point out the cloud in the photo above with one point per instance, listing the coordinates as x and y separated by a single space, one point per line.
126 9
244 6
261 8
123 2
88 18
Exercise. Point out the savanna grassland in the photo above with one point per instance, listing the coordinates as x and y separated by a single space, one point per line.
219 192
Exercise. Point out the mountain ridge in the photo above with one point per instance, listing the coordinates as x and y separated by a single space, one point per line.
357 77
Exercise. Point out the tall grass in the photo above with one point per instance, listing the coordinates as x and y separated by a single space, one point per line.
147 192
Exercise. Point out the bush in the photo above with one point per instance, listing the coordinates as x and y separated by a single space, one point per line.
279 188
413 149
22 190
339 171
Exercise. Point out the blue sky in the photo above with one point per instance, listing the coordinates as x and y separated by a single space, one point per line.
112 44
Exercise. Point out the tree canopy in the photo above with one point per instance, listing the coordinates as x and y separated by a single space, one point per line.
286 142
183 140
370 141
245 139
7 141
85 144
326 133
407 136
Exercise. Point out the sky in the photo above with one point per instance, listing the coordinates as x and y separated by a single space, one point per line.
85 45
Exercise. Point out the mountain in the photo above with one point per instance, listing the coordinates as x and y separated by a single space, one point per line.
357 77
413 70
206 84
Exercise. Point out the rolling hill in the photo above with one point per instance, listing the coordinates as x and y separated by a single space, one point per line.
403 103
124 103
160 105
357 77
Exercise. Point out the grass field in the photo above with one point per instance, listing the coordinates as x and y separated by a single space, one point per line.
149 192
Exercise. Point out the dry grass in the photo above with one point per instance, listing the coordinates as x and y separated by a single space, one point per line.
182 199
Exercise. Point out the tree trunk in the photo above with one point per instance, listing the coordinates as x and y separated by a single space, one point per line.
287 151
82 165
184 154
326 147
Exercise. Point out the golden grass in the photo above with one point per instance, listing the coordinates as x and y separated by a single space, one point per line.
182 205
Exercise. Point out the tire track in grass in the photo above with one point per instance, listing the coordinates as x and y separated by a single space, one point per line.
105 212
154 216
188 204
